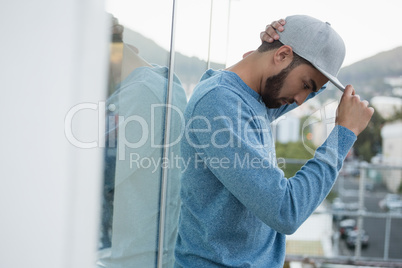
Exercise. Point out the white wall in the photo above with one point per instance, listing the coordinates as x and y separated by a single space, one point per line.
288 129
53 56
391 135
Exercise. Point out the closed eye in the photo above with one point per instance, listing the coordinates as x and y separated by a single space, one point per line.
311 85
314 85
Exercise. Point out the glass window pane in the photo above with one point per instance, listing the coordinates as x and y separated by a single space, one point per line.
139 123
135 134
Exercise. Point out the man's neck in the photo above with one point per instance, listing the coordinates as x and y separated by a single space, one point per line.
251 69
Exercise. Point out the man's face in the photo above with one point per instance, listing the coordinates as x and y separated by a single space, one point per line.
292 85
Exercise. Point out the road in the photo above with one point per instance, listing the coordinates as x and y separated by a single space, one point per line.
375 227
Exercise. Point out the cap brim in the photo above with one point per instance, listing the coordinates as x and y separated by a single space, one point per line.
337 83
333 79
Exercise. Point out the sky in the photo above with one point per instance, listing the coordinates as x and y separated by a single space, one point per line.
366 26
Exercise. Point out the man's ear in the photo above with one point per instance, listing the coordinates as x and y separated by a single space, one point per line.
283 55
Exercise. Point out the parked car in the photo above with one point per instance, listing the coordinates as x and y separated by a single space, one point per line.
369 186
391 202
351 240
395 205
353 206
351 169
345 226
337 207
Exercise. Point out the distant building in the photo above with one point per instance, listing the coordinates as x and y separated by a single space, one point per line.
391 135
287 128
313 238
322 122
394 81
386 106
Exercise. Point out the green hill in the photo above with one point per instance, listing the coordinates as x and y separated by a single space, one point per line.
367 76
388 63
188 69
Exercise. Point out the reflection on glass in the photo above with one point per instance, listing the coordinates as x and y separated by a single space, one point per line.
133 159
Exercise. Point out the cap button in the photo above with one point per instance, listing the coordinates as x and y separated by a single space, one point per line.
328 23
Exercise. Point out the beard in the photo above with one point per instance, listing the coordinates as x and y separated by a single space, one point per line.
273 87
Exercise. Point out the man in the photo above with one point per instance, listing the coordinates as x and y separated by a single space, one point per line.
237 206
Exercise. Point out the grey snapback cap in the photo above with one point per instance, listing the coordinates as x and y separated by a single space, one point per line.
316 42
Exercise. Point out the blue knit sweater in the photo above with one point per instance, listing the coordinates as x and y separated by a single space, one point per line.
237 206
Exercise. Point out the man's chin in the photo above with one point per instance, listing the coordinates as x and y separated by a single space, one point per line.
273 105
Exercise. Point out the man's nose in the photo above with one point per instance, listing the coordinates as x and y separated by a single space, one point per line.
301 97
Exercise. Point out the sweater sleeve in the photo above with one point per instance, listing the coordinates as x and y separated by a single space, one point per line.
226 130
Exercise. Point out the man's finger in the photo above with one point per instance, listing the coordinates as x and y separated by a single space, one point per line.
265 37
366 103
272 33
349 90
277 25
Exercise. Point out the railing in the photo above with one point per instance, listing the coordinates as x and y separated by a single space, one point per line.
360 214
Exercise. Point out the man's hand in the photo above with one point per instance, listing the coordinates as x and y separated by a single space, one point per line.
269 35
353 113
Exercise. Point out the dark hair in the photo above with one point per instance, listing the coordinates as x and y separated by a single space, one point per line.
297 60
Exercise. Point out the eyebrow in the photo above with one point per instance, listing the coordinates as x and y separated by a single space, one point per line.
312 82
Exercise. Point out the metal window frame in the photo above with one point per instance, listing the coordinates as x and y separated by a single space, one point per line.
357 259
166 149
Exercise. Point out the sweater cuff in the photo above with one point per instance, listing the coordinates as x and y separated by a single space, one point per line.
334 150
342 139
